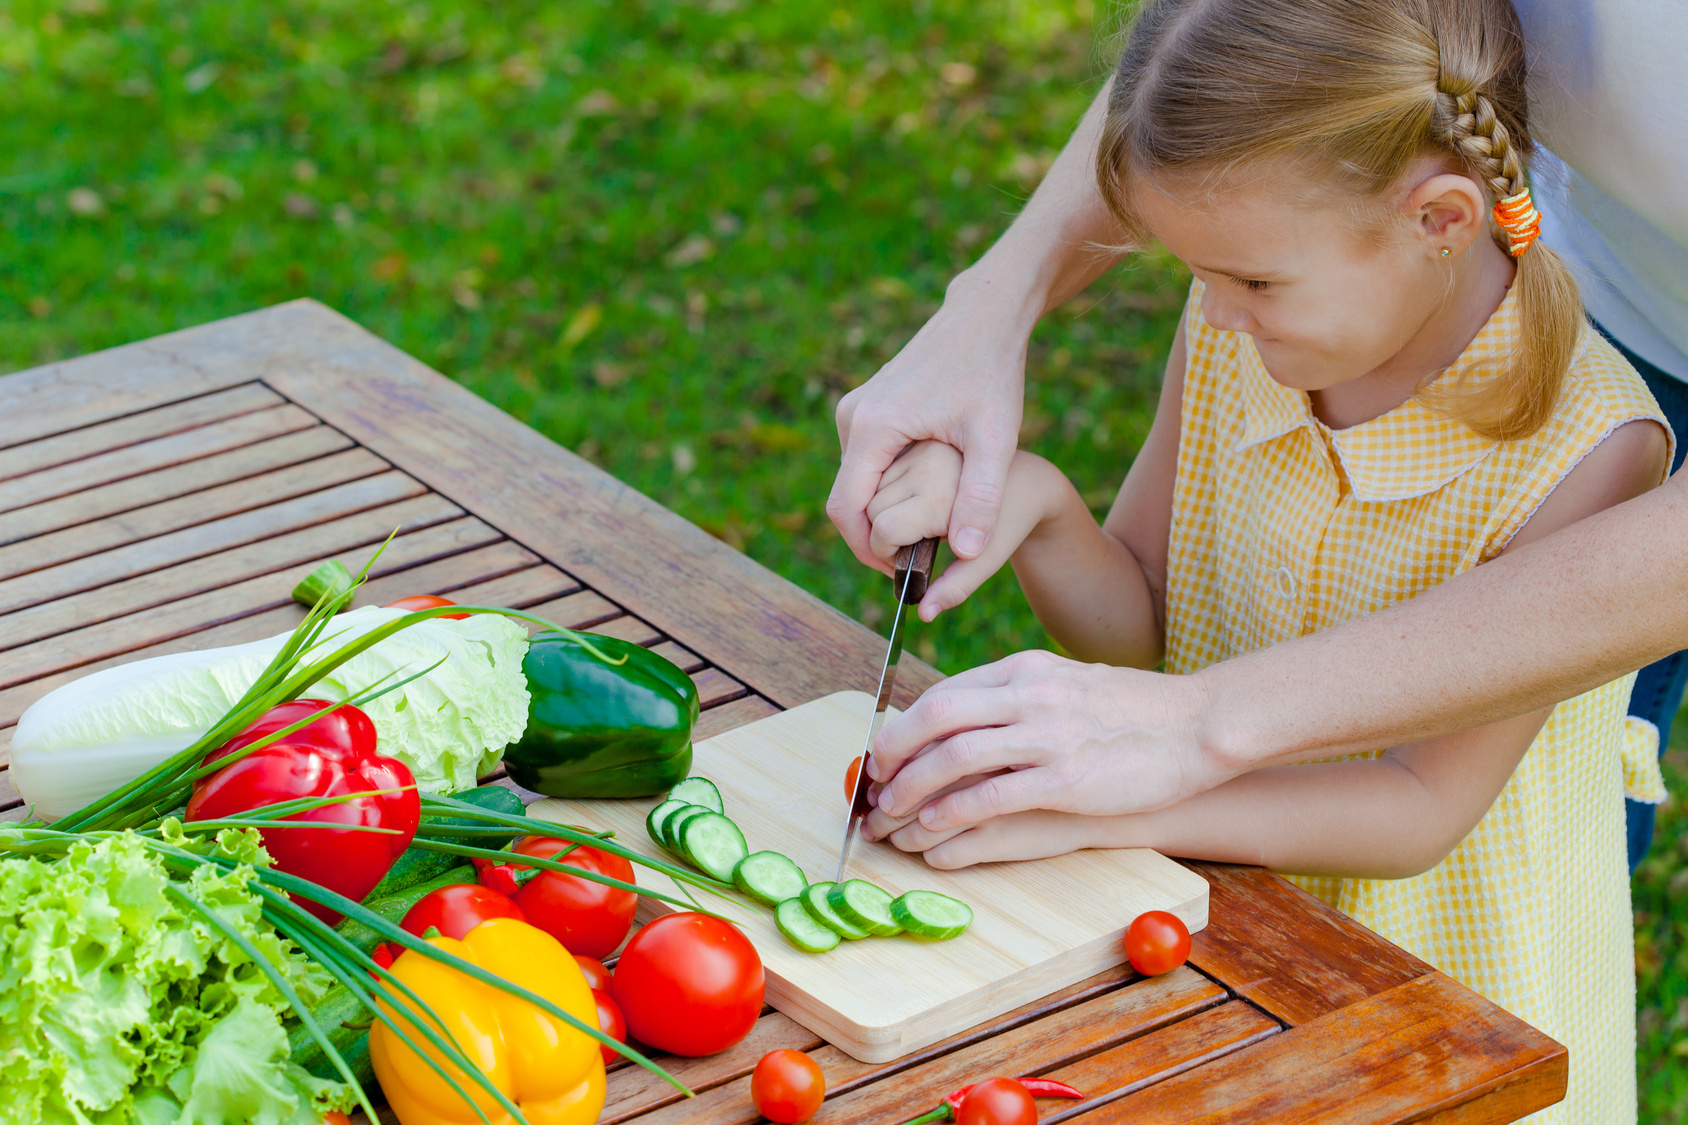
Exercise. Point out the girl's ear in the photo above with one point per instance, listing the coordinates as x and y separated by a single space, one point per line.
1449 212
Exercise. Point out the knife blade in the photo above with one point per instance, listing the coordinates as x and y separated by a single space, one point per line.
912 574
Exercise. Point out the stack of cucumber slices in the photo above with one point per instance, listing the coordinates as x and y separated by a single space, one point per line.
692 824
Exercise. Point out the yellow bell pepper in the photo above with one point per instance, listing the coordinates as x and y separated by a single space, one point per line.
552 1071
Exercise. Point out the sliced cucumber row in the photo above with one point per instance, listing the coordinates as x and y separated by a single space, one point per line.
692 824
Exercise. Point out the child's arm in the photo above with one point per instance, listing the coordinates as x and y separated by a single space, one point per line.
1100 591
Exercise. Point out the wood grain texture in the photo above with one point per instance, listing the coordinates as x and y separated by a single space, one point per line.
627 627
717 602
731 716
781 781
1029 1048
1154 1058
109 384
146 488
175 449
255 522
313 535
148 425
178 515
193 612
1279 947
634 1090
1428 1046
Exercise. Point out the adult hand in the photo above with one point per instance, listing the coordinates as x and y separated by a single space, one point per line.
1079 738
961 381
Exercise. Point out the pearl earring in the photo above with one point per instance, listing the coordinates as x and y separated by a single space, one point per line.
1446 251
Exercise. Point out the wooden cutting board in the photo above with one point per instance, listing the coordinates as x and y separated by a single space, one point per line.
1038 926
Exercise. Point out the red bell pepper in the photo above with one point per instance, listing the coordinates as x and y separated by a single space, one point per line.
332 756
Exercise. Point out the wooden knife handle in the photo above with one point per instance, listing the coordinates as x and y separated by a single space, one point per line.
919 558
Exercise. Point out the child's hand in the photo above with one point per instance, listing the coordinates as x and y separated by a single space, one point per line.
914 498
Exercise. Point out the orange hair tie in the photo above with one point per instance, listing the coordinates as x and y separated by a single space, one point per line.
1518 217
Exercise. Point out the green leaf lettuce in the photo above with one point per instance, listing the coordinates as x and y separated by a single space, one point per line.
119 1004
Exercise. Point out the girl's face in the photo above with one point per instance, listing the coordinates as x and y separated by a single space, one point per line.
1326 303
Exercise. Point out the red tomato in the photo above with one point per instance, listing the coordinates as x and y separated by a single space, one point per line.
689 984
588 918
850 778
1157 943
335 1117
787 1087
426 601
610 1021
998 1101
597 977
457 909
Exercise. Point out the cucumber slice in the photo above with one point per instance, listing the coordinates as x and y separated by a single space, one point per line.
770 878
659 816
698 791
801 929
864 906
676 821
929 914
713 843
814 900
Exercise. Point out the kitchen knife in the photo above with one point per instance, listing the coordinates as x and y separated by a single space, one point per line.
912 574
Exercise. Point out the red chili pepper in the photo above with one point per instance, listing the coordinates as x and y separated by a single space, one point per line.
382 955
1036 1087
332 756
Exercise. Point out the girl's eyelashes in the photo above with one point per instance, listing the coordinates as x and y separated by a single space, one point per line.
1252 284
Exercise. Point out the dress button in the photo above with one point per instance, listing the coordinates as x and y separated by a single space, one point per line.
1284 580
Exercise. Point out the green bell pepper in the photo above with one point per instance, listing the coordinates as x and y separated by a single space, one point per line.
597 729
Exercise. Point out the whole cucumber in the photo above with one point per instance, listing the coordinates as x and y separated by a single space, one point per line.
418 865
395 906
333 1013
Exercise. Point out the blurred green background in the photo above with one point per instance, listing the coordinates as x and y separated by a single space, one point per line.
669 235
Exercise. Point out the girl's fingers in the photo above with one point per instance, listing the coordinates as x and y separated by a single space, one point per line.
910 521
916 837
1027 835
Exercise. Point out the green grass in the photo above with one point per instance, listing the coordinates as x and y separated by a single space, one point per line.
667 235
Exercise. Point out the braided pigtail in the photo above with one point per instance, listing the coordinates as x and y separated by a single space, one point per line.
1495 145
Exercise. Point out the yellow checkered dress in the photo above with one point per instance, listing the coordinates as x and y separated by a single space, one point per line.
1282 526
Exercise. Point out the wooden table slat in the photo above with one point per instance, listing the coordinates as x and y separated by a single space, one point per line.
715 687
517 589
1154 1058
731 716
1378 1061
184 514
143 489
585 610
190 445
254 522
192 612
627 627
634 1090
684 659
1276 945
857 1096
149 425
359 513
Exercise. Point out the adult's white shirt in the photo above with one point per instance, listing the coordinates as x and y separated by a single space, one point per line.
1609 99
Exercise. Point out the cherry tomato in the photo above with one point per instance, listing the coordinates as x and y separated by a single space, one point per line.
588 918
610 1021
335 1117
457 909
1157 943
998 1101
850 778
597 977
426 601
787 1087
689 984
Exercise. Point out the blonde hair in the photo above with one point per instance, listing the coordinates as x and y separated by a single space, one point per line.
1354 91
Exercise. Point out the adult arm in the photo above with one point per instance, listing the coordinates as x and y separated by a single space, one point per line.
961 380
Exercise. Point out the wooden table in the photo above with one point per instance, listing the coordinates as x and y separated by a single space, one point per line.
168 494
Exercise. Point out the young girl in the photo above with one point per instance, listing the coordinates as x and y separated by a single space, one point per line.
1380 380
